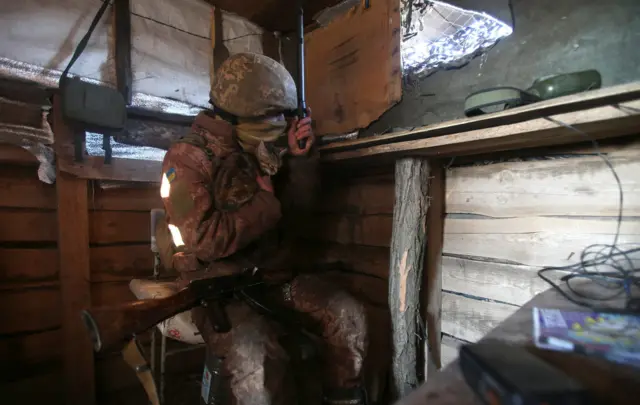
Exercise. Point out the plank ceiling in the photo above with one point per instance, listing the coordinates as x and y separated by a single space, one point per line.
273 15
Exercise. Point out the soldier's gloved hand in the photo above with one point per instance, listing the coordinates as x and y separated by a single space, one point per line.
300 129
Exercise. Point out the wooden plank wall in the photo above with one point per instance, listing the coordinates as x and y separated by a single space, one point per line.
504 221
31 369
30 310
348 227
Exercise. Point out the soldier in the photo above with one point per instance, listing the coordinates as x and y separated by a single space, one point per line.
223 214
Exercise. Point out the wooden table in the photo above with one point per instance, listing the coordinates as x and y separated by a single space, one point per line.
610 383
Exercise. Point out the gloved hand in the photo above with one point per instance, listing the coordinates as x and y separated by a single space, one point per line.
300 129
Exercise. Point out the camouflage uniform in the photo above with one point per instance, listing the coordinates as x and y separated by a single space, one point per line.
222 217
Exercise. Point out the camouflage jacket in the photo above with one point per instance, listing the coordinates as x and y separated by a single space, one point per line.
211 196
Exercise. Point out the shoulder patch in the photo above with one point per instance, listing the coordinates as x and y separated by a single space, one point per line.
171 175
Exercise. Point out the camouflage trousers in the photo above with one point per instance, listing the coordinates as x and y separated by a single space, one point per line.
259 370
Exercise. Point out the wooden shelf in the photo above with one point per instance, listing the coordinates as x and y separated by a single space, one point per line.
604 113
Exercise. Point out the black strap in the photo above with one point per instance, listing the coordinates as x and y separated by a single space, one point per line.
225 115
83 42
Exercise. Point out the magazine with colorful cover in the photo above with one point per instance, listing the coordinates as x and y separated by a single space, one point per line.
615 337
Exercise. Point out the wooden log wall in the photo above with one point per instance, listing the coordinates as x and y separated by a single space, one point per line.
352 225
31 345
30 310
504 222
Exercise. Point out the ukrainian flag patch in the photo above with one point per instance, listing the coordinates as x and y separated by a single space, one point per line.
170 175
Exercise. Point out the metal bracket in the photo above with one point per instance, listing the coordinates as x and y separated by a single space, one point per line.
78 143
106 146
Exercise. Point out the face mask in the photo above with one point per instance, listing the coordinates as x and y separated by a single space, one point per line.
258 138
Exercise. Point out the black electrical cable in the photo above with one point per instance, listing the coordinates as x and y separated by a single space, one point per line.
607 265
513 15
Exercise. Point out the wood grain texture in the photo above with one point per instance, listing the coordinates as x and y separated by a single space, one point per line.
109 293
408 245
15 155
574 102
23 354
535 241
470 319
369 196
570 186
119 226
27 265
28 225
366 289
18 113
369 230
93 167
121 263
431 299
24 91
607 382
21 267
73 248
353 68
122 25
367 259
30 310
510 283
42 387
125 199
20 188
599 123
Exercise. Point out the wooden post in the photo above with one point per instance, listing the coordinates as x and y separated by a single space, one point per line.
124 77
408 243
75 287
431 305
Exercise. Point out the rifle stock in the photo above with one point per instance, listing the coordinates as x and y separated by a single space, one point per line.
111 326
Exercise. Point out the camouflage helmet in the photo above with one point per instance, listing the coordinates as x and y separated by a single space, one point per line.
253 85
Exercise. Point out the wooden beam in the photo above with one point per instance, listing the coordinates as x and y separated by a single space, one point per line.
122 23
75 285
20 188
590 99
73 246
25 91
15 155
406 262
119 227
432 279
93 167
27 225
599 123
26 266
129 198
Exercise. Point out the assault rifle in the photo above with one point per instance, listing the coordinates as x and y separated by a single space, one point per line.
111 326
